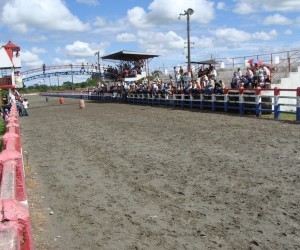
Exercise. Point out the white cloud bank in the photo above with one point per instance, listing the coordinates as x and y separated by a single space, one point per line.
235 35
251 6
277 19
25 15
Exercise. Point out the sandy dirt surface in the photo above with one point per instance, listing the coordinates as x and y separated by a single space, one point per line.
117 176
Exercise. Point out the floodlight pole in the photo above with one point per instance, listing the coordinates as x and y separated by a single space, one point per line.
188 41
71 65
98 61
187 13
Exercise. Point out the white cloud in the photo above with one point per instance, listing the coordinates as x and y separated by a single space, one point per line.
25 15
277 19
159 42
37 50
220 5
137 17
37 38
162 11
31 59
79 49
266 36
288 32
203 43
126 37
58 61
101 26
89 2
232 34
249 6
83 49
99 22
243 8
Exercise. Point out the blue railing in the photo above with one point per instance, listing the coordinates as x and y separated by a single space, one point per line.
242 101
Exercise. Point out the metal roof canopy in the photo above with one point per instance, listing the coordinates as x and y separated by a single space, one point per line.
211 61
126 55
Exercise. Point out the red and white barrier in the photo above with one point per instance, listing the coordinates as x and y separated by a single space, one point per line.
15 225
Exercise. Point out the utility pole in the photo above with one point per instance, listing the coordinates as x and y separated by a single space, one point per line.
188 13
98 61
71 65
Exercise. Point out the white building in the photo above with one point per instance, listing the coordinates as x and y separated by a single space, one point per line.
10 66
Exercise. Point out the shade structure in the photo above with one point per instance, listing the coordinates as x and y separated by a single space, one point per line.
126 55
255 61
210 61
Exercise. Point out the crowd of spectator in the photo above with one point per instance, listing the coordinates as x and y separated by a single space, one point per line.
207 81
22 104
254 76
124 70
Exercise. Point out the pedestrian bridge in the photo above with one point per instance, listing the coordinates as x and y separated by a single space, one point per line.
61 70
73 71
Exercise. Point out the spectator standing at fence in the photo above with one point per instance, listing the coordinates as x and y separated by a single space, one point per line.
44 68
250 76
213 72
25 106
180 70
239 72
209 87
204 81
5 115
82 70
266 71
11 99
19 106
245 83
200 72
261 77
235 80
267 82
175 73
219 87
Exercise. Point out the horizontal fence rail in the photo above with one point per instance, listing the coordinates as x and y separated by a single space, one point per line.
242 101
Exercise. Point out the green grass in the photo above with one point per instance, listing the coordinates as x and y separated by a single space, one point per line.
2 131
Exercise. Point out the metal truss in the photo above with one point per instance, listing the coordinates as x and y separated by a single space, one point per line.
65 73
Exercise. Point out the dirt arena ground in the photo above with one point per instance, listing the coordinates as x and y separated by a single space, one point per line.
117 176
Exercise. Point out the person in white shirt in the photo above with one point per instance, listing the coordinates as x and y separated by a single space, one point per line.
11 98
266 71
25 106
213 72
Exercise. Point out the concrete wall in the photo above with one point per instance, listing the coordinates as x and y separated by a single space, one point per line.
290 82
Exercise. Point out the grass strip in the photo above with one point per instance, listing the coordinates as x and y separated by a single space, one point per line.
2 131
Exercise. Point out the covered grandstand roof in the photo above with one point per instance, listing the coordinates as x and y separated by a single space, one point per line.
211 61
126 55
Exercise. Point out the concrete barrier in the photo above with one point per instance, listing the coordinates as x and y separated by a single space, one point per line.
15 225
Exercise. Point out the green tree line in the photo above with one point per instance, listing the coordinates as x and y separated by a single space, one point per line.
63 87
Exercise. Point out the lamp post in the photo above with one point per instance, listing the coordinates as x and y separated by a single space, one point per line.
187 13
98 64
71 65
49 81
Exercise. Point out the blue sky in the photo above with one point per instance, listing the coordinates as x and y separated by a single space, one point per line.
57 32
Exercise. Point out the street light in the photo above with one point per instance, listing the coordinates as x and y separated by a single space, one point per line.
187 13
98 57
71 65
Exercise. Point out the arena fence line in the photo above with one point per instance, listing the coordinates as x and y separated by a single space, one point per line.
15 224
243 101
